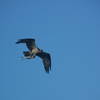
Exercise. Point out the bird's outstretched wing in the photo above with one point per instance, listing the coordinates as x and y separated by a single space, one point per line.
30 43
46 58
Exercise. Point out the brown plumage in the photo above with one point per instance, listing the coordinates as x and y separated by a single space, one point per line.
35 51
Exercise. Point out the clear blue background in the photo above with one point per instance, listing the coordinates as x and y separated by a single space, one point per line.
69 30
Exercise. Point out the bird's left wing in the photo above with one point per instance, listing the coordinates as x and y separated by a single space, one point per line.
46 58
30 43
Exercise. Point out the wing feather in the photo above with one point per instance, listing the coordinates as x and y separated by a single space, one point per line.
30 43
46 58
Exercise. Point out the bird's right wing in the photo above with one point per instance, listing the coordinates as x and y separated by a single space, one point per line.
46 58
30 43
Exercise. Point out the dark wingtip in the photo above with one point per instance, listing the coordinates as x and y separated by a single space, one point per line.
47 72
16 42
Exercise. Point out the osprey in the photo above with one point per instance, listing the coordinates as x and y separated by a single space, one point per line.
35 51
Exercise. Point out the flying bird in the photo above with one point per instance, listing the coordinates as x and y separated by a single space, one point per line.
35 51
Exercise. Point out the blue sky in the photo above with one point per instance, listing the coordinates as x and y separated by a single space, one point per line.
69 30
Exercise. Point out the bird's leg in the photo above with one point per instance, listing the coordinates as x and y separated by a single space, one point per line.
28 57
33 55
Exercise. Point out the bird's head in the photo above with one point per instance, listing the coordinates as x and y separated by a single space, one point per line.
40 50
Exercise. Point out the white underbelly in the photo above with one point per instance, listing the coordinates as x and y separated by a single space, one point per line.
35 50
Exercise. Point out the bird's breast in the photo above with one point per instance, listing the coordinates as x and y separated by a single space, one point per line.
35 50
